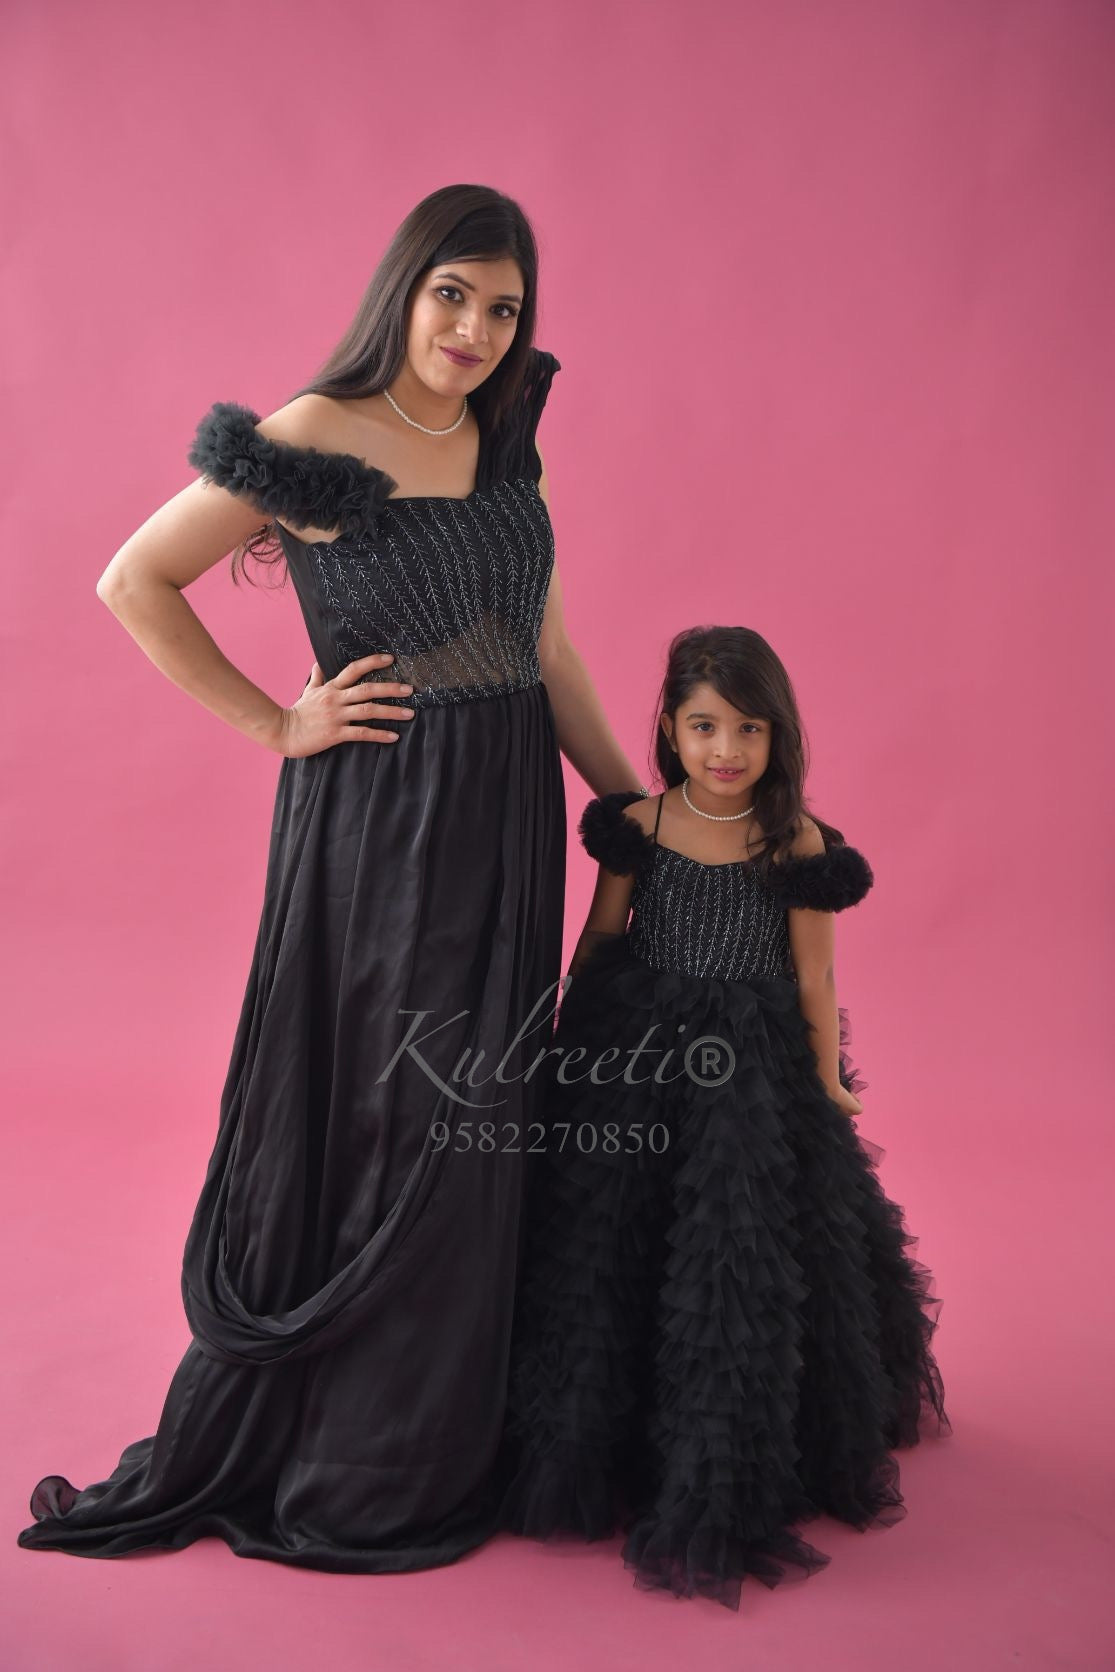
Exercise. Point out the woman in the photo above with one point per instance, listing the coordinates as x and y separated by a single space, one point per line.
348 1275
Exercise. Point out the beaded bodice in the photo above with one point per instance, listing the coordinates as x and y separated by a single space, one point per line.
714 920
728 921
455 588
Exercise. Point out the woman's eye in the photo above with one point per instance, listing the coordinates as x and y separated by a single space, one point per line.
454 295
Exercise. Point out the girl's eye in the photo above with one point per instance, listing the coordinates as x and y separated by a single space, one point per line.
749 725
508 312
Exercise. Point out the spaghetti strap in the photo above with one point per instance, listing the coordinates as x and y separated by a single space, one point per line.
658 815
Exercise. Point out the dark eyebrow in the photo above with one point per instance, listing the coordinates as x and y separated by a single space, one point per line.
756 719
457 279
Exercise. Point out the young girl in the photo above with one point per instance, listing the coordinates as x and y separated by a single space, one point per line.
720 1330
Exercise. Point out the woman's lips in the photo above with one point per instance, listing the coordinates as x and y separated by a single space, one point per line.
460 359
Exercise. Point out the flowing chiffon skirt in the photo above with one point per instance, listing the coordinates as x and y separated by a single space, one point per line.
349 1273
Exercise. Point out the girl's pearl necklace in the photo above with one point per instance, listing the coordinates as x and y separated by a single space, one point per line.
720 818
416 425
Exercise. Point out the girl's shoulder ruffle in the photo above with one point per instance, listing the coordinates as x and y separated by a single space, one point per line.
829 881
611 838
304 486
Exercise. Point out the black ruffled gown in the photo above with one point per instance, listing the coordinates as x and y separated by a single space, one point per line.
720 1330
348 1280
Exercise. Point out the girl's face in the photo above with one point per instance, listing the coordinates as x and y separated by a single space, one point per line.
462 322
722 750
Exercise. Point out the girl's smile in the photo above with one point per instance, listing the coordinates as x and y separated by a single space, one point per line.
724 751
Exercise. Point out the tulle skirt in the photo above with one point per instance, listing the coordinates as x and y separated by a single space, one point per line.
720 1327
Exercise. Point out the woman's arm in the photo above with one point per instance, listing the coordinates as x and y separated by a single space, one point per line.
143 585
584 736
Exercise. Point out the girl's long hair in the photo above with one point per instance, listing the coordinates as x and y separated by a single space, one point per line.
740 665
454 223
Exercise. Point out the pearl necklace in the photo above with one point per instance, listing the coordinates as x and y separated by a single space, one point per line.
721 818
416 425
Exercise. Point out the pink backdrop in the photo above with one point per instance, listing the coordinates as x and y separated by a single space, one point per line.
831 287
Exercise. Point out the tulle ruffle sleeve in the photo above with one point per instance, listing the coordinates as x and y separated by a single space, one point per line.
611 838
305 487
829 881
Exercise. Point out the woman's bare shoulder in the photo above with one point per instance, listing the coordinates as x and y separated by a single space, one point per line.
306 421
307 470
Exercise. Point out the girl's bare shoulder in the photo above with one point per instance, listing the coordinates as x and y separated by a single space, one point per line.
807 840
643 812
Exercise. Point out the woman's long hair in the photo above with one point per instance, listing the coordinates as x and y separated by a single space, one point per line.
742 668
455 223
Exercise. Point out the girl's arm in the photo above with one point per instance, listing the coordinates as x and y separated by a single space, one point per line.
812 941
607 915
811 947
584 736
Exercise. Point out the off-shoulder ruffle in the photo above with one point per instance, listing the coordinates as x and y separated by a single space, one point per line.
829 881
309 488
610 837
304 486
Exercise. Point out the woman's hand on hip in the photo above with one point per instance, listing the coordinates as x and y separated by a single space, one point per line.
328 710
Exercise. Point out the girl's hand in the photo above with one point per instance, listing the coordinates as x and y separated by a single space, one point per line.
327 710
846 1101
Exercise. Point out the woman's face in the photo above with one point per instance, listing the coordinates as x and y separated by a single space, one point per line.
724 751
462 322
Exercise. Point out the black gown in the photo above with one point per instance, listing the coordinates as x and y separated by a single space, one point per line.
720 1329
348 1278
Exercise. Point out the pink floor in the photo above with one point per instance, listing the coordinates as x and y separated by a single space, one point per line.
1001 1561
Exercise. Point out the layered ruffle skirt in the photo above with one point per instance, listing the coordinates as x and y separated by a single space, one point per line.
720 1330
